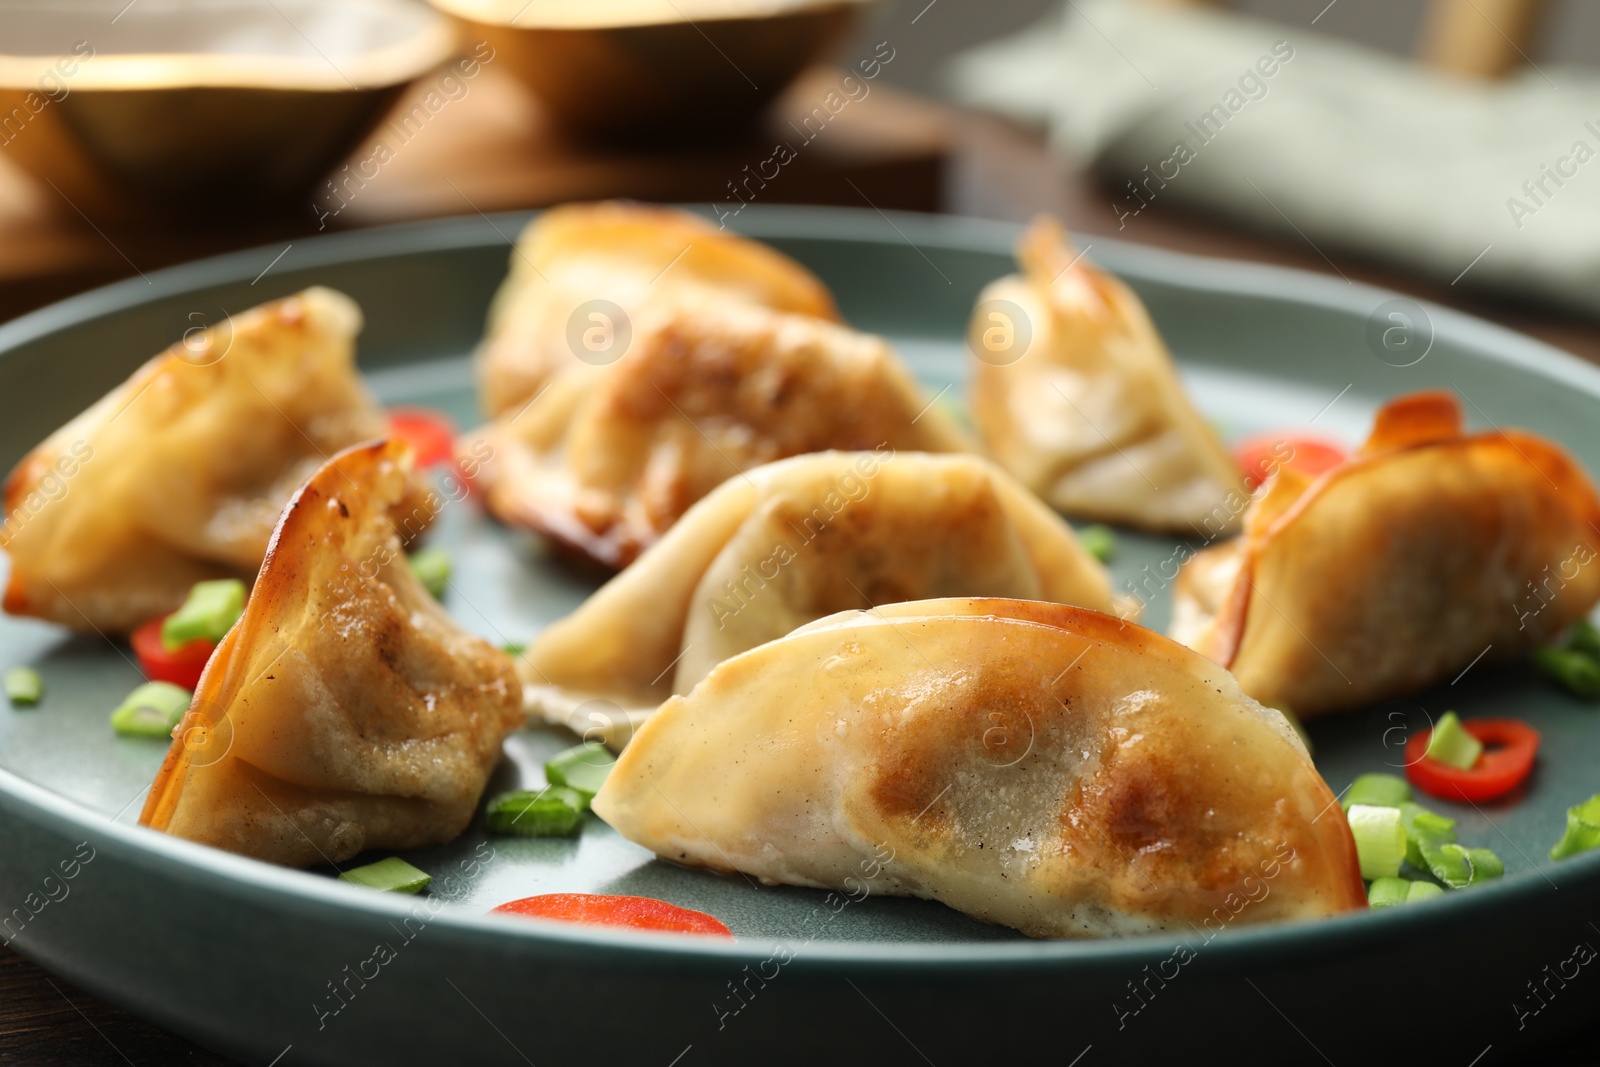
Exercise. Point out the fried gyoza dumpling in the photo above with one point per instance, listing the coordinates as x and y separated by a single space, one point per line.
1049 768
1400 567
1075 393
345 710
178 474
607 461
791 542
634 257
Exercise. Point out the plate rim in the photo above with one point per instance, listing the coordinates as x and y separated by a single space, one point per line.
1347 933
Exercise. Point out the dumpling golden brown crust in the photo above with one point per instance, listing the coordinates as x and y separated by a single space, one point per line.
345 710
635 257
1400 568
791 542
606 461
1045 767
1074 392
178 474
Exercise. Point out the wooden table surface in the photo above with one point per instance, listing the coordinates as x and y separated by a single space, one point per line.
891 151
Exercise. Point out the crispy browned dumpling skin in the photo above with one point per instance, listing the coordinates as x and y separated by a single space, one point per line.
785 544
1045 767
345 710
179 474
609 458
637 258
1092 415
1401 567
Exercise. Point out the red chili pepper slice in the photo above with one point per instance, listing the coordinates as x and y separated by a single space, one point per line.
1510 746
1260 456
431 434
639 913
181 666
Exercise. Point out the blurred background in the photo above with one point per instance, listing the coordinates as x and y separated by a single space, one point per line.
1435 146
1568 31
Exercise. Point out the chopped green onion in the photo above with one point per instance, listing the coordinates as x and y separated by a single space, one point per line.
1380 840
432 568
1420 821
1423 891
152 710
1099 541
1426 833
1431 845
1583 637
1460 866
1577 671
1454 867
583 769
393 875
1385 892
513 649
1450 743
212 608
1583 830
24 687
553 812
1378 790
1485 865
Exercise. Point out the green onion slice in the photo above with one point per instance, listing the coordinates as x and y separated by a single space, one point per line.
1485 865
1379 790
1583 830
1386 892
1420 890
152 710
24 687
1099 541
513 649
1450 743
582 768
432 568
1460 867
212 608
1576 671
1426 833
1380 840
393 875
552 812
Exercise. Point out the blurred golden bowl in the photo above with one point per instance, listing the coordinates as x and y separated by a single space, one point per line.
191 105
657 71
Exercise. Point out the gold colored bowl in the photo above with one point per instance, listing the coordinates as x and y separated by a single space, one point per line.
184 106
655 71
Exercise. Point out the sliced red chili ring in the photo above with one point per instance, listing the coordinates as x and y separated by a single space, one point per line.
431 434
1510 746
1259 456
639 913
181 666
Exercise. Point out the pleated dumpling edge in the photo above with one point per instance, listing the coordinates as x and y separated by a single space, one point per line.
1049 768
784 544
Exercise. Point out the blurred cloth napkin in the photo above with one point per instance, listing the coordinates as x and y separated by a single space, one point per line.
1351 149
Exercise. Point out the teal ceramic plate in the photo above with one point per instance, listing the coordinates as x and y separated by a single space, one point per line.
263 963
